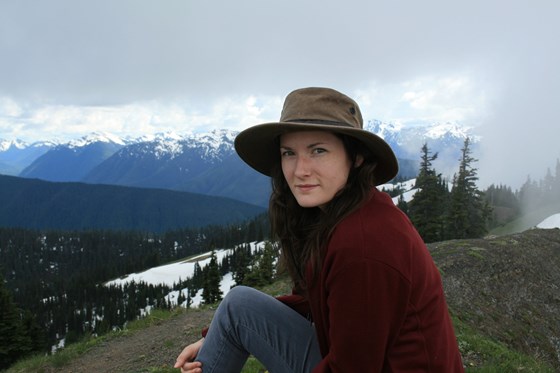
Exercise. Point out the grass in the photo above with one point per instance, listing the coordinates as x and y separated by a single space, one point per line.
475 253
39 363
483 355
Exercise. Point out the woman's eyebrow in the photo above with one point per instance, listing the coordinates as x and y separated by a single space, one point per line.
312 145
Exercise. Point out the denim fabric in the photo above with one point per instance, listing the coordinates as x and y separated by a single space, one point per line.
251 322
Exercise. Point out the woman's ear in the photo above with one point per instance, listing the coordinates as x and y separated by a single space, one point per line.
359 160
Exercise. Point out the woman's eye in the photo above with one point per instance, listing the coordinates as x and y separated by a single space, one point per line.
286 153
319 150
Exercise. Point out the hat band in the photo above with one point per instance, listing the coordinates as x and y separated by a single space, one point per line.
319 121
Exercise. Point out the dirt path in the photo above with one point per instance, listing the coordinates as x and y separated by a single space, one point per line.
154 347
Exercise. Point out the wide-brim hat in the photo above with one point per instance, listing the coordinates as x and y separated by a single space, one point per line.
310 109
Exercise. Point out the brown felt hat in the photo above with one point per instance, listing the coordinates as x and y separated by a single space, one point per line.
310 109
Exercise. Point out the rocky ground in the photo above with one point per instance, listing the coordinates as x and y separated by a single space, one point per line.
506 287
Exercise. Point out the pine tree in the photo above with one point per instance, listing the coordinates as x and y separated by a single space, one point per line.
468 210
402 204
211 292
181 298
266 263
241 260
504 204
33 331
263 269
426 209
197 278
14 342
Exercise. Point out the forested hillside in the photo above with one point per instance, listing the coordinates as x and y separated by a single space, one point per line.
57 276
36 204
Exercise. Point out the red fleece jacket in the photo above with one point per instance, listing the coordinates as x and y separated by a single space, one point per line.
378 303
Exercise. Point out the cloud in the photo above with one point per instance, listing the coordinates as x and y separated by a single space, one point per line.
108 52
456 98
141 65
522 129
10 108
65 122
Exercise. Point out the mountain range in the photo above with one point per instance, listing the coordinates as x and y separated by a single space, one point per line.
198 163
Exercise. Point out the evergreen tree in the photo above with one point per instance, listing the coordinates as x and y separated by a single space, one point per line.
33 331
426 209
468 210
534 195
181 298
504 204
14 342
263 269
402 204
197 279
266 264
241 260
211 292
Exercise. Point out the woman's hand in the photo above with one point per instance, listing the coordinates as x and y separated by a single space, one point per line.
185 360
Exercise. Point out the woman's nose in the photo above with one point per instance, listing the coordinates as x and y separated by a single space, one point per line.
302 166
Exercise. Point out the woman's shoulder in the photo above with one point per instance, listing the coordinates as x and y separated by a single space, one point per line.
379 212
378 230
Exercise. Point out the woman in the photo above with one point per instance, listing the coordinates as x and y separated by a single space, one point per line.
367 296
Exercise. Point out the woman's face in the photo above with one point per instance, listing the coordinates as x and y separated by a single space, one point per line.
315 165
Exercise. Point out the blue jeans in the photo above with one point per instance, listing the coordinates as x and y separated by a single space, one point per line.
251 322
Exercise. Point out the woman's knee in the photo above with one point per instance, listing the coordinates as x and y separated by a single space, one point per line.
239 295
245 301
238 304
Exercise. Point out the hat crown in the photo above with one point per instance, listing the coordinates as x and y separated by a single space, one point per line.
314 109
321 106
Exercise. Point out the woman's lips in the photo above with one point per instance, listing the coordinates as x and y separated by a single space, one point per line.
306 187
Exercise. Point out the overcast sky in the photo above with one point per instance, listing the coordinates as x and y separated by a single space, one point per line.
136 67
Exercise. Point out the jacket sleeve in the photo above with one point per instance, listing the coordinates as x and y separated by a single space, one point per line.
367 303
297 302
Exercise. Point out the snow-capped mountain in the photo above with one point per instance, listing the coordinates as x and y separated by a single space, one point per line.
72 161
199 163
6 145
168 145
407 139
15 155
205 163
95 137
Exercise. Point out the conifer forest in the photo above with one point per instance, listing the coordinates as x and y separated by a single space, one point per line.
52 283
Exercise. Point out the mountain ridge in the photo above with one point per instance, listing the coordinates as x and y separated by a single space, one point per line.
37 204
206 163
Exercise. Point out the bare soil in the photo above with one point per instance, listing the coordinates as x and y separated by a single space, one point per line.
156 346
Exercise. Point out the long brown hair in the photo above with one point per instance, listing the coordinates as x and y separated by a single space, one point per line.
303 233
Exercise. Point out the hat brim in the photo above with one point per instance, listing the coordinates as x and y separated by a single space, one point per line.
257 146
